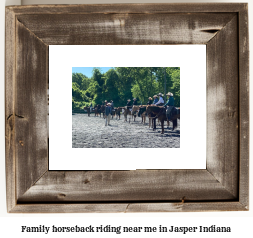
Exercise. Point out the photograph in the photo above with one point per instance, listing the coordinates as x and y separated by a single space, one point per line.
125 107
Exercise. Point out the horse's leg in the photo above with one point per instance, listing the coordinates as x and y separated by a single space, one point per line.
162 124
174 124
154 128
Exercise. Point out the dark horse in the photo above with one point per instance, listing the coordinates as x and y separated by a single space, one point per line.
160 113
87 109
103 110
97 110
118 110
142 113
174 115
113 112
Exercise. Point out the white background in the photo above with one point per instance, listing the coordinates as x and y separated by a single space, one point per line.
192 62
241 222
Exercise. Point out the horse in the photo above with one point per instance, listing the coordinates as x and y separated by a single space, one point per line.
151 111
142 113
87 109
160 113
113 112
103 111
174 115
118 110
127 111
97 110
135 109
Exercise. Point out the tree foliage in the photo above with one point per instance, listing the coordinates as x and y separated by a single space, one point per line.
122 83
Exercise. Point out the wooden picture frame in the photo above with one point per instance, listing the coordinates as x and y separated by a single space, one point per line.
222 186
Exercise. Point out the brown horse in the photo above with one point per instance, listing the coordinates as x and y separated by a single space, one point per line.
118 110
157 112
135 110
152 111
87 109
103 111
97 110
127 112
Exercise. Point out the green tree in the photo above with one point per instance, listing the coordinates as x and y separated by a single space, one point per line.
79 84
111 86
122 83
176 86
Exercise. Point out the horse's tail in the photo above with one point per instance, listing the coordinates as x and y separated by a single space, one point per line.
174 124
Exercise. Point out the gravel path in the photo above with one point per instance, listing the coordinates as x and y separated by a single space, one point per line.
91 132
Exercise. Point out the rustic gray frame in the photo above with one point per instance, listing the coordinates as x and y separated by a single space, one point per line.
223 186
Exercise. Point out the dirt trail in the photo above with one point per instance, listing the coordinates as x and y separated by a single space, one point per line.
91 132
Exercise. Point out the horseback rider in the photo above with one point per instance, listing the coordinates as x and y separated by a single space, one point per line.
129 104
161 101
169 104
134 102
149 101
155 99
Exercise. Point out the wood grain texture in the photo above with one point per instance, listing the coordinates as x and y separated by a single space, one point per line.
123 29
222 107
9 109
155 8
139 185
244 106
129 207
30 108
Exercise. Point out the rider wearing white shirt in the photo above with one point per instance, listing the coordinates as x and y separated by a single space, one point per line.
161 101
